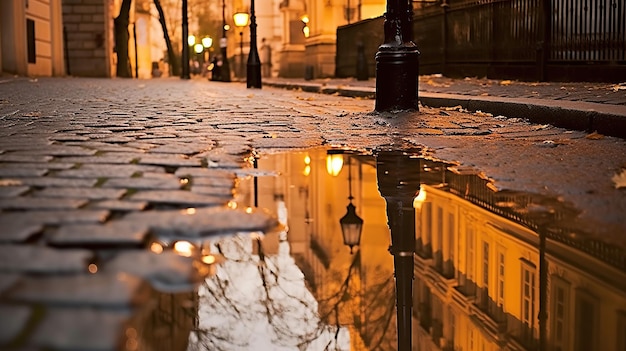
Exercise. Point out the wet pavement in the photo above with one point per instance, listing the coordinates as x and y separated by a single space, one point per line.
115 196
599 107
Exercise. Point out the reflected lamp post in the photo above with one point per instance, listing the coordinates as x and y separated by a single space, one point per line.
397 60
351 223
241 20
399 184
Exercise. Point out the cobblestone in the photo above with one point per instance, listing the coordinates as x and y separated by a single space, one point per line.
87 185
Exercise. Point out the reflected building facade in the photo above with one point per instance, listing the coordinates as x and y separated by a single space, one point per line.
480 282
493 270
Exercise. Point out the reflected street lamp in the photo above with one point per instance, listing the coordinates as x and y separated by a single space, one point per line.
351 223
399 183
241 20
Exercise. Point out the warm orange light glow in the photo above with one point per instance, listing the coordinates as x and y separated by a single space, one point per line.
248 209
334 164
307 160
156 248
241 19
307 31
198 48
184 248
207 42
93 268
232 204
184 181
421 197
307 170
190 211
208 259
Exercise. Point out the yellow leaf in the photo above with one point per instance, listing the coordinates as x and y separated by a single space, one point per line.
505 82
620 179
595 136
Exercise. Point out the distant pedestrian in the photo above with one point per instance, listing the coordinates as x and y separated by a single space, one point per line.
266 59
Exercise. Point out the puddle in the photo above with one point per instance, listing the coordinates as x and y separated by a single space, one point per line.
492 270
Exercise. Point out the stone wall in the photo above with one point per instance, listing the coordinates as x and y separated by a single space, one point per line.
87 31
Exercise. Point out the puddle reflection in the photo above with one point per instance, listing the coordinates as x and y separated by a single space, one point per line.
492 270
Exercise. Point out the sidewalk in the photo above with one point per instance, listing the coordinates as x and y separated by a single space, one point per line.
580 106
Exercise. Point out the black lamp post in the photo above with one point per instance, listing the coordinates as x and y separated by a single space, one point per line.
253 75
351 223
397 60
399 183
185 55
225 69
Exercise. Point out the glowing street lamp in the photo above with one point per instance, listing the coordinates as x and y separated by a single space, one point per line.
241 20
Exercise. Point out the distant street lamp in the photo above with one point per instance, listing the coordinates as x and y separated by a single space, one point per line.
397 60
241 20
253 79
207 42
224 70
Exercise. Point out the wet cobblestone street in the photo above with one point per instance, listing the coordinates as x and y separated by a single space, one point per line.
94 172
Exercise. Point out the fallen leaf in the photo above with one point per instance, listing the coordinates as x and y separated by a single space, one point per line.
595 136
10 182
454 108
620 179
483 114
505 82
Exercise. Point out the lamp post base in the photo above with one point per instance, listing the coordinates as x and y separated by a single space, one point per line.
397 78
253 78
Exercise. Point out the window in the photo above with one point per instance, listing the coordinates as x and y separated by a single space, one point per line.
30 40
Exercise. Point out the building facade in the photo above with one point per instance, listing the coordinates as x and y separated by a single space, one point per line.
31 38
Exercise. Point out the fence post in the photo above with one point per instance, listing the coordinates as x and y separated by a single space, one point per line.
545 36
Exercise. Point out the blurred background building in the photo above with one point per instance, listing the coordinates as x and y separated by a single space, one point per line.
555 40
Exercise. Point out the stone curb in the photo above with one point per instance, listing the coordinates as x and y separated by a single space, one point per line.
577 115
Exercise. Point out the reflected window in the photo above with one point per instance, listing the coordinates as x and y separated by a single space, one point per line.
560 298
528 300
500 287
484 291
438 242
427 229
449 266
621 331
586 321
471 257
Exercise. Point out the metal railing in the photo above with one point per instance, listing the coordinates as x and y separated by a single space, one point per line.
576 40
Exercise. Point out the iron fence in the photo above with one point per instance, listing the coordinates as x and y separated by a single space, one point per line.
576 40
